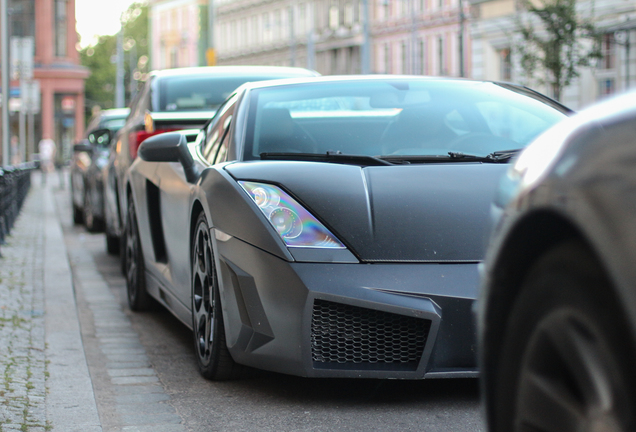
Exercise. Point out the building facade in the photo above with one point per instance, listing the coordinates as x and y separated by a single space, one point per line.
60 113
422 37
405 36
469 38
494 32
178 33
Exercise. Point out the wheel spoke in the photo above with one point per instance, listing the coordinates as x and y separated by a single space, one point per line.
579 351
544 405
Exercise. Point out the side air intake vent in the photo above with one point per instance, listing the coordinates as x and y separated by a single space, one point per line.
351 337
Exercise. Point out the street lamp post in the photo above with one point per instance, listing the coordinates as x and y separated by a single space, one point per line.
462 18
366 44
4 28
119 82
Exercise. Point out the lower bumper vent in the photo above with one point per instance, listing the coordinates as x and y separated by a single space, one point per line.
351 337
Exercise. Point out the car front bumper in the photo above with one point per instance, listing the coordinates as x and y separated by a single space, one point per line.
407 321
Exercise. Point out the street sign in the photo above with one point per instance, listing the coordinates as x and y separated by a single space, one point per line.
30 94
22 57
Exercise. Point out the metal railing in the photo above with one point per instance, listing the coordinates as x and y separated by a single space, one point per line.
14 186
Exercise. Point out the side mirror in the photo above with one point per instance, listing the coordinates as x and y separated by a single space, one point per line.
169 147
100 137
82 147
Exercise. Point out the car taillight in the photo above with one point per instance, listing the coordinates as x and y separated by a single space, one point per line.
136 138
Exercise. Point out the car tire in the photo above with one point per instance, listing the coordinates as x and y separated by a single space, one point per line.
138 298
566 362
112 244
213 357
78 215
122 252
91 223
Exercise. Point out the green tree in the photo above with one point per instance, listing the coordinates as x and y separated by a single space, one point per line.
100 59
562 45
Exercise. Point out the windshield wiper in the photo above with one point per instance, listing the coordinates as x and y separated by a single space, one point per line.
330 156
497 156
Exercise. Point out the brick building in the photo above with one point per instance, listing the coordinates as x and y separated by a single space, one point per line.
51 23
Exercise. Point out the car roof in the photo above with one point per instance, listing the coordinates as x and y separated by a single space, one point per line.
346 78
115 112
235 70
383 77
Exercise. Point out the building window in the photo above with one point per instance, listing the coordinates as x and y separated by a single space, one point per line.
334 18
505 60
302 19
23 18
60 28
387 8
405 59
607 51
441 70
607 87
422 56
387 58
348 14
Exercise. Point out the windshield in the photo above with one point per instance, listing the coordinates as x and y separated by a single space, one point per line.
198 92
394 117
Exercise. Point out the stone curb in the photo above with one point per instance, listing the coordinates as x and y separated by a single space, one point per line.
70 402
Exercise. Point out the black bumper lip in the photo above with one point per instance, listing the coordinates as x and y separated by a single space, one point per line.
269 303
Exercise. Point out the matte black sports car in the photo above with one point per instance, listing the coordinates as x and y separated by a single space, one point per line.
329 227
557 314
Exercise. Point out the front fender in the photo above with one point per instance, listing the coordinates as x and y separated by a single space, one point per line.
229 210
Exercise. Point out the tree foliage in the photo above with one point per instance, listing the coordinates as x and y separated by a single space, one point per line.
100 59
554 53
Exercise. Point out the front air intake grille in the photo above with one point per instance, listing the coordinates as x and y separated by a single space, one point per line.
351 337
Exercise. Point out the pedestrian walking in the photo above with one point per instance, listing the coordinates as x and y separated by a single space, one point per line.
47 150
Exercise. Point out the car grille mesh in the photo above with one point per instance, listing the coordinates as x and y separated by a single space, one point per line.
365 338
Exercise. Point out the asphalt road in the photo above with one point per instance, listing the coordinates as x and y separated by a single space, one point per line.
169 391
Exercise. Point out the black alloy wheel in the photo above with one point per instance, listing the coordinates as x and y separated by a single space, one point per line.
566 364
138 298
213 357
78 213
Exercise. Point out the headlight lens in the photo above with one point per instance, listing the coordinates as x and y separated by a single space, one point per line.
296 226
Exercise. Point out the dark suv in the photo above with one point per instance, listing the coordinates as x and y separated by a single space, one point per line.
172 99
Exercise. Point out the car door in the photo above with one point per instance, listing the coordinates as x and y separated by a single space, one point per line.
123 157
173 203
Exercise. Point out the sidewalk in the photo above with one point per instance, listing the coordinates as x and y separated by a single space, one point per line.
44 379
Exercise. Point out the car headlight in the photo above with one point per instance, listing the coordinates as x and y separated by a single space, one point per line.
295 225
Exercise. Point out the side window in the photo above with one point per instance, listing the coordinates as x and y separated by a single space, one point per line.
216 143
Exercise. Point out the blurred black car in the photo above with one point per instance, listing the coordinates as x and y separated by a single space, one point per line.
329 227
557 314
89 157
172 99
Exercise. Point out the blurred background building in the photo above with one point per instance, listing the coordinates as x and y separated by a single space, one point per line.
494 34
58 109
405 36
178 33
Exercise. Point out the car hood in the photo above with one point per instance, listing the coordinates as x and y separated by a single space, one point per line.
410 213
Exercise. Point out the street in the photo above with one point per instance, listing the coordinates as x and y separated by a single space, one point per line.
145 378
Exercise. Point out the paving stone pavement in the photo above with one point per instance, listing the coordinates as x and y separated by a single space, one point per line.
50 379
44 380
23 365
